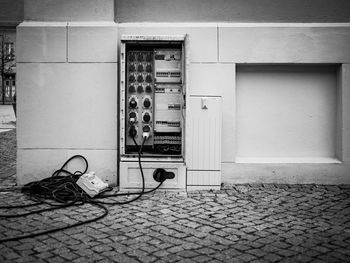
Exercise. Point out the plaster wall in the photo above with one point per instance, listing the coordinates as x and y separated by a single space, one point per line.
286 113
67 60
69 10
68 94
14 11
232 11
67 97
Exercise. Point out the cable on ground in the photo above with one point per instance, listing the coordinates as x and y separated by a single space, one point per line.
61 191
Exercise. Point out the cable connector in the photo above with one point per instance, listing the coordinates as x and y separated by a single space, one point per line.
160 175
146 132
145 135
91 184
132 131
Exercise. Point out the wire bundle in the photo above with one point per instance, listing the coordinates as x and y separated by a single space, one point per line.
60 191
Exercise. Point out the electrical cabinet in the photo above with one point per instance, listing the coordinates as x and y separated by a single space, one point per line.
183 133
152 106
154 99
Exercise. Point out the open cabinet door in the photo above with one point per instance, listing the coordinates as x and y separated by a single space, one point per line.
122 98
185 91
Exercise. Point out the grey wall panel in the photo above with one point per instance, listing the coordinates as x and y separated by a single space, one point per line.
69 10
233 10
11 12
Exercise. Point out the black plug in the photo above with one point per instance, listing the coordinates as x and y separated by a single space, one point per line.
160 175
132 131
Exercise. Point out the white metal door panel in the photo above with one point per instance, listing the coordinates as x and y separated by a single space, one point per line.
204 121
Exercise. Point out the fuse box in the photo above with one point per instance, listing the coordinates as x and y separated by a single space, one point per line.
153 98
153 105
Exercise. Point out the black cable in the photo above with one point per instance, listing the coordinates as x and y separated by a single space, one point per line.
140 166
143 183
105 213
38 211
128 193
133 138
62 191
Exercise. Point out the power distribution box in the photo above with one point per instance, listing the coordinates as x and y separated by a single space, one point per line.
152 105
182 130
153 98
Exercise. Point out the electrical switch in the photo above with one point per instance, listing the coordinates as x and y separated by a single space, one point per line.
132 68
133 103
148 89
149 57
132 57
140 78
131 78
146 103
132 88
140 89
149 68
146 117
148 78
140 57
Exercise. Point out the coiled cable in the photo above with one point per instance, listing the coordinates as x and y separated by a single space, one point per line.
61 191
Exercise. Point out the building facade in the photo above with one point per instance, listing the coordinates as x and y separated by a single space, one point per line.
7 65
280 68
11 14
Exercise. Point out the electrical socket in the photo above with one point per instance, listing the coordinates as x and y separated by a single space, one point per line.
160 175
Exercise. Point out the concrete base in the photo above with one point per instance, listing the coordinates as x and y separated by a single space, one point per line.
312 173
130 175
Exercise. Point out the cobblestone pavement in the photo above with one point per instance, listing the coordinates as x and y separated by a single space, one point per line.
7 118
7 158
241 223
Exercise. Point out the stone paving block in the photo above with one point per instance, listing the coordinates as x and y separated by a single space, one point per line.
201 258
245 258
222 257
171 258
259 253
187 254
272 257
253 223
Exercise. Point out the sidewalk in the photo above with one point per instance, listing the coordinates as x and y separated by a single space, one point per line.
8 146
240 223
8 154
7 118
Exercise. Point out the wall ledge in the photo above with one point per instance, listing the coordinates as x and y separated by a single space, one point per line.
228 24
167 24
283 24
295 160
93 24
42 24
